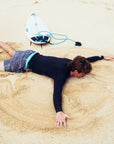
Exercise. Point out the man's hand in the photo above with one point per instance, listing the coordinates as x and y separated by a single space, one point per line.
108 57
61 119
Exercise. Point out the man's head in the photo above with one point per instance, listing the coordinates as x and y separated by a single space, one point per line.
79 66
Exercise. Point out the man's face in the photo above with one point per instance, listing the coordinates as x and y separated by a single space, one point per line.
76 74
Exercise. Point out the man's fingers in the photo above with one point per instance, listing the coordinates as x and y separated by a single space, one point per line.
65 124
60 124
108 57
57 124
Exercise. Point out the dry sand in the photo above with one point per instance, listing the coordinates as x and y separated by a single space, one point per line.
27 114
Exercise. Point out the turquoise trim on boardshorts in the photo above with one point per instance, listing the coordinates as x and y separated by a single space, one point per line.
28 59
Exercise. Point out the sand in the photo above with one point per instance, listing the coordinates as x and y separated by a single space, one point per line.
27 115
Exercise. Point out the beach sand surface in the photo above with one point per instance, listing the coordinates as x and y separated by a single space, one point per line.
27 114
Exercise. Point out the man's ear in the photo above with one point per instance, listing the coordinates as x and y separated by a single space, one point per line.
73 72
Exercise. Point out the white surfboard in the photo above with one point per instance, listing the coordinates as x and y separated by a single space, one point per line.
36 30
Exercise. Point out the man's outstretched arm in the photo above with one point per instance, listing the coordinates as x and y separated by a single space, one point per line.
96 58
57 100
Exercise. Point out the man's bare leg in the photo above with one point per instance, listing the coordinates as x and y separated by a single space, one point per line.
7 48
1 67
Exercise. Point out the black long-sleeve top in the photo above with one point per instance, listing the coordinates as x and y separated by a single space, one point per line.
57 69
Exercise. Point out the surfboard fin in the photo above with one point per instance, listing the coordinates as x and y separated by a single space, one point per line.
30 43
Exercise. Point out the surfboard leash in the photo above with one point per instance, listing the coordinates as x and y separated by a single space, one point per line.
62 38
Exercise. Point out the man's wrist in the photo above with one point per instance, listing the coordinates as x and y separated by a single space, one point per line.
101 57
59 111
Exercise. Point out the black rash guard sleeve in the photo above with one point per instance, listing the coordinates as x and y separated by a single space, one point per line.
57 97
57 94
95 58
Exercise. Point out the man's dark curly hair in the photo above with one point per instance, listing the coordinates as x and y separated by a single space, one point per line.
81 64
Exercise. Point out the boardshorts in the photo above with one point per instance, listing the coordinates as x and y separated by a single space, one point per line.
19 62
